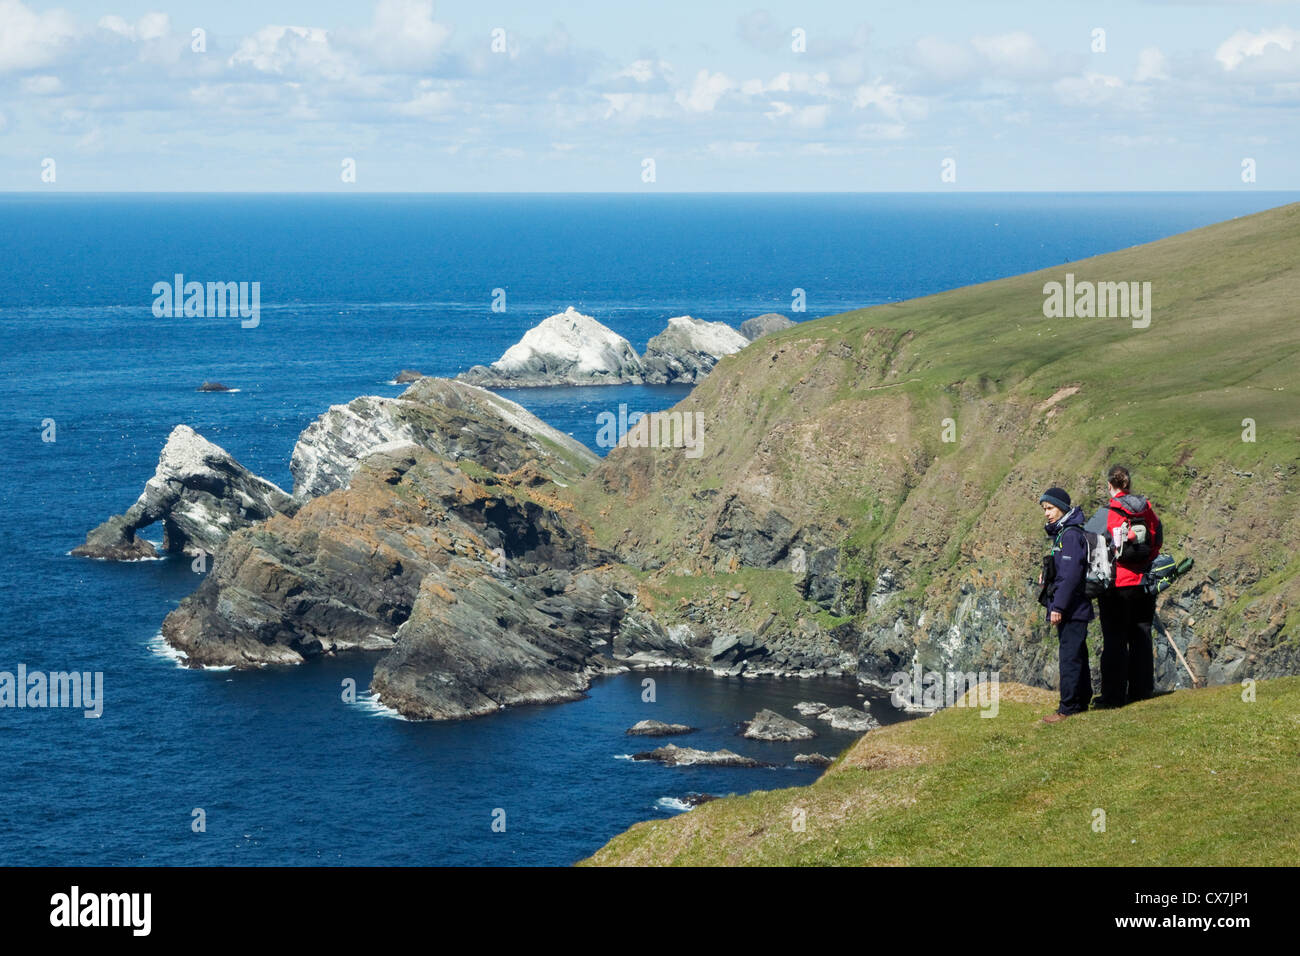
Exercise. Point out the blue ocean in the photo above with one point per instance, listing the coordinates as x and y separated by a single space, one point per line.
353 288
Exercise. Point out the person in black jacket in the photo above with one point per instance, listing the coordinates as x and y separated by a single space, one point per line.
1067 606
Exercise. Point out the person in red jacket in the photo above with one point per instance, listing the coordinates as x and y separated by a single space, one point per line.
1127 611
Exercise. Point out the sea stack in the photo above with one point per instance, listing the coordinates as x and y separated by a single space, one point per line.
687 350
565 349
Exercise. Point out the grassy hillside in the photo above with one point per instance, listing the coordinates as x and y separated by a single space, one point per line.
1194 778
838 427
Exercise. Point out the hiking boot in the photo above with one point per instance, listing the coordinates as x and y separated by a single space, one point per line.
1055 718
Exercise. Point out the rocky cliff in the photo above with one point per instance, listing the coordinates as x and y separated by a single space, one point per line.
454 420
868 499
199 493
865 502
428 529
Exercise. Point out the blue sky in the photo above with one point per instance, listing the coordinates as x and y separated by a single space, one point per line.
1009 95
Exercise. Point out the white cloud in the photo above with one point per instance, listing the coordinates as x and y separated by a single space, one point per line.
1016 54
92 141
427 102
287 49
631 107
760 31
805 117
1244 45
151 26
643 71
1151 66
29 39
42 85
943 59
705 92
888 100
404 35
1091 89
732 149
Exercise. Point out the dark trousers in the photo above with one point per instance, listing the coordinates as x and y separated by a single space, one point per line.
1076 678
1128 670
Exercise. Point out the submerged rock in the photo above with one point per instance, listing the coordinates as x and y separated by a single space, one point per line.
755 328
565 349
688 349
769 725
199 492
670 755
657 728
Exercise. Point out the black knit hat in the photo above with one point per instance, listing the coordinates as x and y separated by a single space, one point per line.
1056 496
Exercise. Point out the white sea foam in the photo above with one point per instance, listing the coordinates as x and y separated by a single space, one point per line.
622 756
372 705
159 557
672 805
159 646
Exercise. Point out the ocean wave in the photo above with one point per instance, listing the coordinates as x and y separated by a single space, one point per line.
157 557
158 645
622 756
372 705
672 805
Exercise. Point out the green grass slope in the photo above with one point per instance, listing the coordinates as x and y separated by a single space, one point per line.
839 425
1194 778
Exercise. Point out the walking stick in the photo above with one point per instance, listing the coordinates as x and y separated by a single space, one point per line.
1196 681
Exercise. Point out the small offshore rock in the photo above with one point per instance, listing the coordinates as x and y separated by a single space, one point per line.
407 375
849 718
657 728
769 725
816 760
213 387
811 708
671 755
695 799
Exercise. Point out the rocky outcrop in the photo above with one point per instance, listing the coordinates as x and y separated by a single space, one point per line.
671 755
407 375
759 326
346 570
769 725
199 492
475 643
565 349
811 708
452 419
657 728
816 760
849 718
575 349
687 350
696 799
213 387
